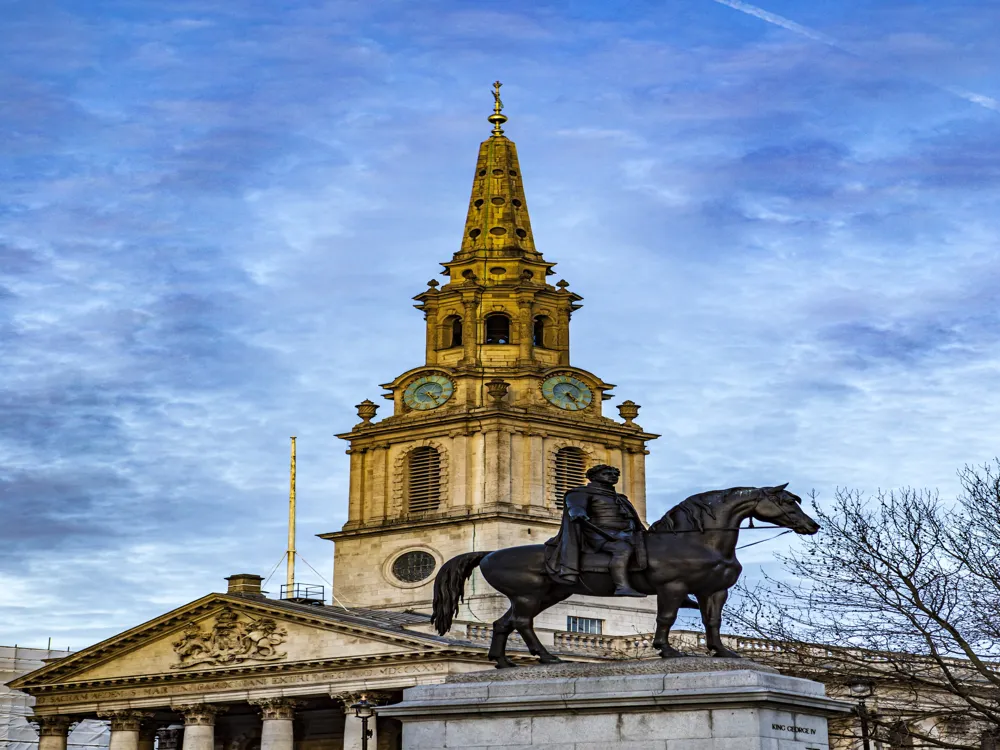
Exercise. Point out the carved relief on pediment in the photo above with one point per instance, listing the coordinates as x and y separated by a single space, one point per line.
231 640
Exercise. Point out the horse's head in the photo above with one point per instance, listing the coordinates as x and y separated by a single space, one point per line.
781 507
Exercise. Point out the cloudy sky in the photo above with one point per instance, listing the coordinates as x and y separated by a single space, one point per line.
783 220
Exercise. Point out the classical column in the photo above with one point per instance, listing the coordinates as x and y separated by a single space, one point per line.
526 330
124 728
470 330
147 735
433 334
563 343
199 726
52 731
277 714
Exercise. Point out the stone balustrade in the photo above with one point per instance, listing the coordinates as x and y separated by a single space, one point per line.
635 646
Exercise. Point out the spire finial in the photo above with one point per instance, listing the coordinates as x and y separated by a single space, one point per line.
496 118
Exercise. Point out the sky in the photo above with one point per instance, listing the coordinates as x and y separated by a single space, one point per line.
213 216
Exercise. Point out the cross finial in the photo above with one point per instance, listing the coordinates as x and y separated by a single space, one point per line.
497 118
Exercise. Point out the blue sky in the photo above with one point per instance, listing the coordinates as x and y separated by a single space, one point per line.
213 215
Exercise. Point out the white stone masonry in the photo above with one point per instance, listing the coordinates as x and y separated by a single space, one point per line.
613 709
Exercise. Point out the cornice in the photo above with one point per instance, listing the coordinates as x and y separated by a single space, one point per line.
782 700
471 653
134 638
442 422
400 527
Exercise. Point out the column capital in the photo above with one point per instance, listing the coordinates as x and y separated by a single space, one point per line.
200 714
52 726
275 708
125 720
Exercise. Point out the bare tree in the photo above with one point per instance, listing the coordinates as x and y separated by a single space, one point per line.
903 589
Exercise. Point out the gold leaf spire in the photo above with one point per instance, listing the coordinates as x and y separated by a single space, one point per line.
497 224
496 118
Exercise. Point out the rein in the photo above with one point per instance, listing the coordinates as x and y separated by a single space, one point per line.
725 528
738 528
770 538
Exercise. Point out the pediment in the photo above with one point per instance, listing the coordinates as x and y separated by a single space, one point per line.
220 633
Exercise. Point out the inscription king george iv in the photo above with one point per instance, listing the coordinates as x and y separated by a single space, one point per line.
229 641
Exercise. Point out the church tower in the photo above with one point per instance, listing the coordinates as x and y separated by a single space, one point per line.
488 433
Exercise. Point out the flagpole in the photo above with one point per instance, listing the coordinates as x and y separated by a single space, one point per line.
290 578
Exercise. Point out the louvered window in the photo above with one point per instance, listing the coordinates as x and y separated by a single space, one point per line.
571 471
423 480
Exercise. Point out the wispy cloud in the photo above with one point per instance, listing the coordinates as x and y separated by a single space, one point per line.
214 219
773 18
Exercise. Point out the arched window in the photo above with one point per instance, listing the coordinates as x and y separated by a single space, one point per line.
540 331
452 333
497 329
571 472
423 480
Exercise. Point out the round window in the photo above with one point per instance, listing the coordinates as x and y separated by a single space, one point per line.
411 567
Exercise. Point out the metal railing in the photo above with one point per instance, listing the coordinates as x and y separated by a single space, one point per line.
308 593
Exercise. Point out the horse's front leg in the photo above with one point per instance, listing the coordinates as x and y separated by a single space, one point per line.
668 600
711 616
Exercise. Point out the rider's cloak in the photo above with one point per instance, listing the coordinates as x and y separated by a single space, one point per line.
564 552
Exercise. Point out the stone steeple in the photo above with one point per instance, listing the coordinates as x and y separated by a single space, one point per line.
488 432
497 225
498 294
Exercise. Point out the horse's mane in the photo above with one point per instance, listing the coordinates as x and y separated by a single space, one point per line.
690 514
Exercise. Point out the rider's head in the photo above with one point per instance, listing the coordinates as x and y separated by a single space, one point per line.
603 473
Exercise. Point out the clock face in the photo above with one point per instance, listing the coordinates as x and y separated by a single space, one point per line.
567 392
428 392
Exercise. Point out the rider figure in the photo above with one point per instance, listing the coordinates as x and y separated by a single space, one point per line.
589 511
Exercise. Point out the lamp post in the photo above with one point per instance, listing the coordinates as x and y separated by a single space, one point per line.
364 711
863 689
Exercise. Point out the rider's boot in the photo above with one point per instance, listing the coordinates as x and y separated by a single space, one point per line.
619 574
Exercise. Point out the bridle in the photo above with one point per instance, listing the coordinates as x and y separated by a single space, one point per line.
785 515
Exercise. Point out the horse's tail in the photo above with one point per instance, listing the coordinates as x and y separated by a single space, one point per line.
449 588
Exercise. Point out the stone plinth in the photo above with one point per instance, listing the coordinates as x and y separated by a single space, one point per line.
680 704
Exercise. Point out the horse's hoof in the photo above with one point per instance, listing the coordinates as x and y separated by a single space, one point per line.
506 665
550 660
670 653
725 653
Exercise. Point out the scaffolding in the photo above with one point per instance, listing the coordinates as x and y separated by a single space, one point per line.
16 733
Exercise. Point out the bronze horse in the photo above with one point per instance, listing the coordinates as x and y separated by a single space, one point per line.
692 550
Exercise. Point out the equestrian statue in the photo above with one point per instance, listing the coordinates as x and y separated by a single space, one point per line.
602 549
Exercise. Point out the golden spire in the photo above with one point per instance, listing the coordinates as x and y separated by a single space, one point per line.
497 222
496 118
